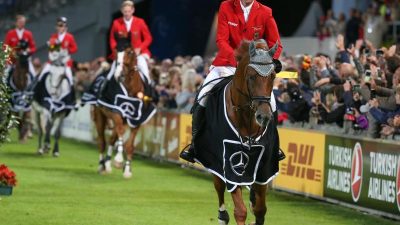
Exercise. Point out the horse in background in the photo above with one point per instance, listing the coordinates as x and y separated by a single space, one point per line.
21 82
240 142
54 98
132 85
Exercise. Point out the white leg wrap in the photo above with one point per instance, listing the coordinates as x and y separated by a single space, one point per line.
119 157
110 150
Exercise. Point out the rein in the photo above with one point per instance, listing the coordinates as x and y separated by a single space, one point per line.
250 97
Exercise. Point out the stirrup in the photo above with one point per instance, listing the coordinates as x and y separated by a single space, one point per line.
281 155
187 154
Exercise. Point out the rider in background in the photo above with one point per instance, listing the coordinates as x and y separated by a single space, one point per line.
68 46
238 20
130 31
19 35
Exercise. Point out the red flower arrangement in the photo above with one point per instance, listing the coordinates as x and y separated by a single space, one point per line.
7 176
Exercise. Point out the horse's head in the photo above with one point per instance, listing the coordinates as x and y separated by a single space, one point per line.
130 74
255 73
22 54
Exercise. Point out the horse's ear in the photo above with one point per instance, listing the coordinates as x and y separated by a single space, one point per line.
252 49
273 49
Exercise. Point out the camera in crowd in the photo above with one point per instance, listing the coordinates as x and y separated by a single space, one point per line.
373 94
349 116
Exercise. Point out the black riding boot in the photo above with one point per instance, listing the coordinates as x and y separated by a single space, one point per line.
281 154
198 119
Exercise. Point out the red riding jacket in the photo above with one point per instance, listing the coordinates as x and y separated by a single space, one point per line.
12 40
140 34
232 29
68 43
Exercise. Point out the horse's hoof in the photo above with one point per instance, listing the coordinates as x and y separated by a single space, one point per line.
56 154
108 167
46 149
127 175
119 157
223 217
127 171
118 165
40 151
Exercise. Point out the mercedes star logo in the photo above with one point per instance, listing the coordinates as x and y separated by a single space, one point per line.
128 108
239 162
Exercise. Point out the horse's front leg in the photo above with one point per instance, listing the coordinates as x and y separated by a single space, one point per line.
57 134
47 133
26 125
100 120
240 210
130 148
40 132
257 199
119 129
223 216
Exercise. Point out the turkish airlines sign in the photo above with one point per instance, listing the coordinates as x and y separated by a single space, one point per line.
363 173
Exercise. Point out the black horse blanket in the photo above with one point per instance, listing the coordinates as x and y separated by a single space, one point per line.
229 156
21 100
64 103
115 97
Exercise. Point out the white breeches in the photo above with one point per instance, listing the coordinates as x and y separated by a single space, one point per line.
210 82
68 72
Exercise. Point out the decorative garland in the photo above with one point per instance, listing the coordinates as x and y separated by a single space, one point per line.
7 120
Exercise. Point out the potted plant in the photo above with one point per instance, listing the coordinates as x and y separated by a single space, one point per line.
7 180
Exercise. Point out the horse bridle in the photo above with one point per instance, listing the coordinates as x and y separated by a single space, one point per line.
249 96
130 70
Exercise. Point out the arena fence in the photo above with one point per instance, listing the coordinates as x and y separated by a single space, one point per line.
352 171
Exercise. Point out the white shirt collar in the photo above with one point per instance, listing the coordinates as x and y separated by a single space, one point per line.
61 36
20 32
246 10
128 24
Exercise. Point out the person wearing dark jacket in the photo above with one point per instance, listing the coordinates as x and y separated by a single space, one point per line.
336 114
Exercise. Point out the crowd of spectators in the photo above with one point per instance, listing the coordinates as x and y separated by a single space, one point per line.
370 24
358 92
33 10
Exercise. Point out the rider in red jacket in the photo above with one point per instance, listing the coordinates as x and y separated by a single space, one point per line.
130 31
238 20
67 44
20 34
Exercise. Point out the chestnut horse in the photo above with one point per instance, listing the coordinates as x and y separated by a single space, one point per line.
21 83
245 107
132 81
